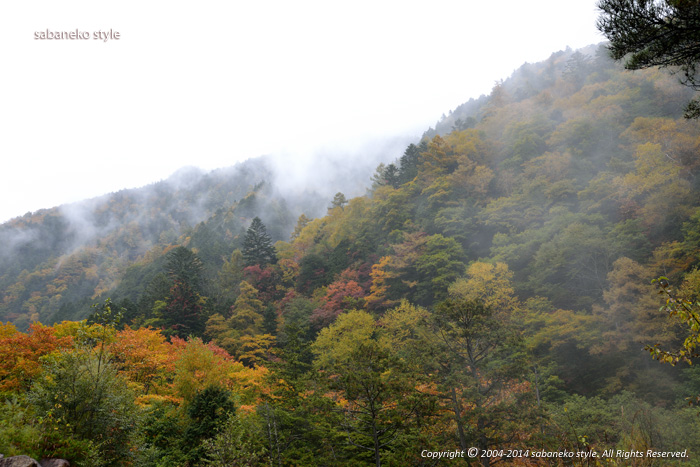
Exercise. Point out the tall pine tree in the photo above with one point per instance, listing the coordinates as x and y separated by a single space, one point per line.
184 313
257 245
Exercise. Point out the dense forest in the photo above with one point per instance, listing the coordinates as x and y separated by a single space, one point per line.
491 288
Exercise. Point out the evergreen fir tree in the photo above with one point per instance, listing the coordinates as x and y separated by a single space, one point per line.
257 245
185 266
391 175
408 163
184 312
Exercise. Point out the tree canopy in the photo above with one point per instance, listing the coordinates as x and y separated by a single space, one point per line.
651 33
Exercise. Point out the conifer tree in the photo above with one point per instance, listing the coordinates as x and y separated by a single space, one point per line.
408 164
185 266
184 312
257 245
391 175
339 201
651 33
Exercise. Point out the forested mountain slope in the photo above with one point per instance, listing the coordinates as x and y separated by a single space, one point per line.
491 289
66 257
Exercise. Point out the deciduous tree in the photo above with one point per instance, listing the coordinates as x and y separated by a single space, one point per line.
481 372
21 352
372 388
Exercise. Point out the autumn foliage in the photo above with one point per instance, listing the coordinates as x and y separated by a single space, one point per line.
21 354
490 289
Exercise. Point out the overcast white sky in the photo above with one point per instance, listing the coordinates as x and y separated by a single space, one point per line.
213 82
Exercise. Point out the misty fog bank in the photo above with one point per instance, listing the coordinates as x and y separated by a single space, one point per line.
307 182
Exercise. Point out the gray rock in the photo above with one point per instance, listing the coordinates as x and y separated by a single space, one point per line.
54 463
18 461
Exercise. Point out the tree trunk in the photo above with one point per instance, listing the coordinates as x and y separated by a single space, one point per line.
457 408
483 441
375 436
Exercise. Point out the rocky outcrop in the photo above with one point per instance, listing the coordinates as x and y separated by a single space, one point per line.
18 461
54 463
26 461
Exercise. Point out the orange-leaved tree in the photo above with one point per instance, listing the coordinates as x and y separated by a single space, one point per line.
21 352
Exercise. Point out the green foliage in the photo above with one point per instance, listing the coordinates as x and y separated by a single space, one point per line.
161 431
298 428
184 266
240 442
686 312
314 272
257 245
623 422
409 162
106 315
184 312
207 412
377 387
422 267
439 264
81 400
480 358
295 319
657 33
18 429
339 201
156 290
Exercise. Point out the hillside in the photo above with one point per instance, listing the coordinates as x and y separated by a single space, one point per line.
66 257
491 288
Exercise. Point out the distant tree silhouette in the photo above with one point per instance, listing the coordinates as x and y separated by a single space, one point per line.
339 201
